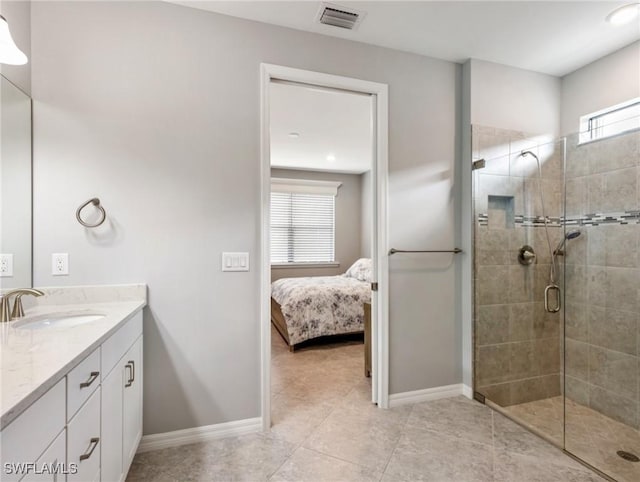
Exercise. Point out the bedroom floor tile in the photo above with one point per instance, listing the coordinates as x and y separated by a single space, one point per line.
325 428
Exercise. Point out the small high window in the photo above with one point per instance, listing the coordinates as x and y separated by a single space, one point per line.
610 121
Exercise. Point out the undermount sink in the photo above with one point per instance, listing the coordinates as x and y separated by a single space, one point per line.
60 320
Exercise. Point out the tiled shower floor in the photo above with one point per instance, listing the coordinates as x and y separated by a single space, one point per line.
590 435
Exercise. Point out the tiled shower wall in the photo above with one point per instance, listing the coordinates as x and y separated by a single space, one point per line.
517 349
603 276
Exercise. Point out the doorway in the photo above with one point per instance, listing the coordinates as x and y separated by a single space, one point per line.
378 227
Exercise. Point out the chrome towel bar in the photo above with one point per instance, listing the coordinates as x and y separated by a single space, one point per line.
454 251
103 215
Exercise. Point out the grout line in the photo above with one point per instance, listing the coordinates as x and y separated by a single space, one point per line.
288 457
341 459
493 443
395 446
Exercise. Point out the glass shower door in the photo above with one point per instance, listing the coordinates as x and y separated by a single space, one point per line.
602 309
518 207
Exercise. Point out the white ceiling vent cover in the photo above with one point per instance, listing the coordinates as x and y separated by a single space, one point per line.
338 16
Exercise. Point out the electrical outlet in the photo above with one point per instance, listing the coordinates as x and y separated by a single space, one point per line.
60 264
6 265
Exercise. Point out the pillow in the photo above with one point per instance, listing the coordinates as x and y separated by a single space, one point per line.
360 270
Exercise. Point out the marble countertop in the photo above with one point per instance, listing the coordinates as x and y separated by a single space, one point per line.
32 361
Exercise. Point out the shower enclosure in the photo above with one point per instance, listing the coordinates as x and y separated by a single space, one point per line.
557 290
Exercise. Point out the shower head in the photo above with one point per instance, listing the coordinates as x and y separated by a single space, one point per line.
529 153
573 234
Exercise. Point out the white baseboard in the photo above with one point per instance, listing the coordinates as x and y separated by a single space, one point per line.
467 391
427 394
159 441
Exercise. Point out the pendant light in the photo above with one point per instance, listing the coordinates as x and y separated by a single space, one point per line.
9 52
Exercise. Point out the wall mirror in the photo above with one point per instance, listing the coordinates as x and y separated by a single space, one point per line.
15 187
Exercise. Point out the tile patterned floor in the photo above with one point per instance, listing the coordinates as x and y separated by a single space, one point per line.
326 429
590 435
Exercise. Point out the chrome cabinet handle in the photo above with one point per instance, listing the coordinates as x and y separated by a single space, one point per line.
91 379
130 378
547 291
93 445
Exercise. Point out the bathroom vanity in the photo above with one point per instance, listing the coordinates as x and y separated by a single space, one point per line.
71 386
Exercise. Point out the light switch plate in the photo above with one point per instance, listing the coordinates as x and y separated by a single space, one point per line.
60 264
6 265
235 261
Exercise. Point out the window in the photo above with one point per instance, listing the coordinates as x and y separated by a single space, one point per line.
610 121
302 221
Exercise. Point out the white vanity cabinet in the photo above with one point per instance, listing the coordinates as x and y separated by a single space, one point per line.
90 419
54 457
122 413
132 404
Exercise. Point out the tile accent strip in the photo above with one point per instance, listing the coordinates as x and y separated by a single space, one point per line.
595 219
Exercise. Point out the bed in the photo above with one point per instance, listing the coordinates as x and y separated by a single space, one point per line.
303 309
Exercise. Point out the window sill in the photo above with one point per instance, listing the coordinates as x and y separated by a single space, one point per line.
610 136
304 265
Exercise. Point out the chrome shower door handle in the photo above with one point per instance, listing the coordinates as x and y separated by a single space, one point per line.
547 293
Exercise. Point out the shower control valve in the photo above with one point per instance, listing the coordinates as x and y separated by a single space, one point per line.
526 255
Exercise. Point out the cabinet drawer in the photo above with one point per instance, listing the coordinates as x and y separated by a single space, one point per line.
119 343
51 464
82 381
26 438
83 440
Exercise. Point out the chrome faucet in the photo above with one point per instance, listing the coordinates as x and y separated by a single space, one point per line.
18 311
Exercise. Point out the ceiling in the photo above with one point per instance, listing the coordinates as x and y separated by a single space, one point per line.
331 124
550 37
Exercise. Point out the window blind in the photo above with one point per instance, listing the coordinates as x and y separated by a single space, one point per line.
302 227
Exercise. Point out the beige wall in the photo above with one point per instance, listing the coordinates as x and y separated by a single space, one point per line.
347 223
155 108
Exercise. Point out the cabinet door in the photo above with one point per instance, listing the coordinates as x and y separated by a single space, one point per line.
111 456
132 406
26 438
51 465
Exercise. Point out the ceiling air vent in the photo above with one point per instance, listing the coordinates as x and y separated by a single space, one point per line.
338 16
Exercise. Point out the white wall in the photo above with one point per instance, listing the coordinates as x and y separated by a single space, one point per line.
511 98
366 209
155 109
608 81
18 15
347 222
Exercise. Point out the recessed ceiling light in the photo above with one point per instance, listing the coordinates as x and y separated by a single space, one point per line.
294 135
331 158
10 54
624 14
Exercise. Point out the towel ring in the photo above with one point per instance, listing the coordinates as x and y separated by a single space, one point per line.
96 202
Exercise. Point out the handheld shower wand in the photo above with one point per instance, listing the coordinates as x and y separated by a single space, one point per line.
573 234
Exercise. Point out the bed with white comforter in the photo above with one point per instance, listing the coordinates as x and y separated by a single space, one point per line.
324 305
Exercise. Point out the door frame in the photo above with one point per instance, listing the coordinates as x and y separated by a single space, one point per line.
380 299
